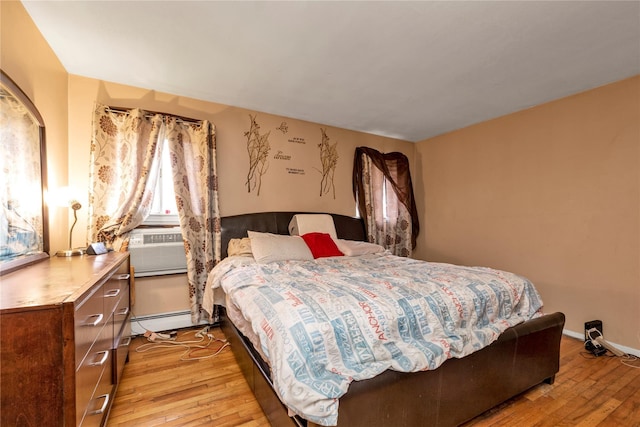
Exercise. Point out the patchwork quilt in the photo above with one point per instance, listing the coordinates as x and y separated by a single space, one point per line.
325 323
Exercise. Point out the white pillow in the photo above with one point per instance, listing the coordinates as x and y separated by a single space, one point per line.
267 247
355 248
312 223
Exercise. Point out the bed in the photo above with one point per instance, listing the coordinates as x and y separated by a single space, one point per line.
456 391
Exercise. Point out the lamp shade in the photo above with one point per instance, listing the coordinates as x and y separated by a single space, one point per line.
63 197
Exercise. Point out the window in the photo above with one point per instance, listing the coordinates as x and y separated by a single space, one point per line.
384 203
163 208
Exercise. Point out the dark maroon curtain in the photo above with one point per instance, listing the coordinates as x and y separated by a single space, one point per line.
395 167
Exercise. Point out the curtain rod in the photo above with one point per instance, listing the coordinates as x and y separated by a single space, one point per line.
152 113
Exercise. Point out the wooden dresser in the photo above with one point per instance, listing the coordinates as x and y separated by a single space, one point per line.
65 333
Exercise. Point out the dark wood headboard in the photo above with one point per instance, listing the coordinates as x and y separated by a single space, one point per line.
236 226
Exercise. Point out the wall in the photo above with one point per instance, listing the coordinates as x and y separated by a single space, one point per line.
551 193
27 58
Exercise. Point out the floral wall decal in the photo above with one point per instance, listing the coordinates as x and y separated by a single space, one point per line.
258 149
284 128
329 159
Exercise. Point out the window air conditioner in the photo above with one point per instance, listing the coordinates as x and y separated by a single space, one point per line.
157 251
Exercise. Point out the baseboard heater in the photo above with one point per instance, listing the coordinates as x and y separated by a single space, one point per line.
162 322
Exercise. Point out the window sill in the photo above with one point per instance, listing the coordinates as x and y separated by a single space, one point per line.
162 220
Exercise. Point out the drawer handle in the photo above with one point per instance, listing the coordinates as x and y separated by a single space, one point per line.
125 342
96 322
103 408
123 312
105 356
112 293
124 276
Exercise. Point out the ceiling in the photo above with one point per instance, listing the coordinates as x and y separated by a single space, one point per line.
408 70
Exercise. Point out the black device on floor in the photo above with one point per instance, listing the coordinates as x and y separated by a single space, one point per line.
591 346
597 324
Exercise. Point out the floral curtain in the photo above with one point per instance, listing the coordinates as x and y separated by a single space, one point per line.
126 153
193 154
384 193
125 160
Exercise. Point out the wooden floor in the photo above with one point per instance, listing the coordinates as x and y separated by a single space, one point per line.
159 389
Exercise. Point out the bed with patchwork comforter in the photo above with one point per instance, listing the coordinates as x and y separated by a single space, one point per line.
377 339
322 324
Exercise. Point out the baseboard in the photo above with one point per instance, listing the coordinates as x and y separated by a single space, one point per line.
580 336
162 322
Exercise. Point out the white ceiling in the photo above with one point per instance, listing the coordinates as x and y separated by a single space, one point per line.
409 70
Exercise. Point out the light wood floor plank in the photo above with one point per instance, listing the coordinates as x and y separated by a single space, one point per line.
599 414
628 412
158 388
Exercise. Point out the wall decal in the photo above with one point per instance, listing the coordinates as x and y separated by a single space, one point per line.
297 140
329 159
283 127
258 149
281 156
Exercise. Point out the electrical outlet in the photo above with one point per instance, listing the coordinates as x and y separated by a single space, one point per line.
592 324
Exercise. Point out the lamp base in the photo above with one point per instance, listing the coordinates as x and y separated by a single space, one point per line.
70 252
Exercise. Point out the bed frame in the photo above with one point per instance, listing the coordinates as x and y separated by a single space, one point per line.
459 390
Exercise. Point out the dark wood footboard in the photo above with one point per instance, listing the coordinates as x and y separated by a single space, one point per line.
459 390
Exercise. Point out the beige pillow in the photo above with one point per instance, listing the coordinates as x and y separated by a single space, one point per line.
267 247
312 223
239 247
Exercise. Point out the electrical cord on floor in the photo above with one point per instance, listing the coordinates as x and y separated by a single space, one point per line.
631 361
588 355
134 317
202 342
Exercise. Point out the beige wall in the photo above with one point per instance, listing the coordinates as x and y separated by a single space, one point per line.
161 294
281 190
551 193
27 58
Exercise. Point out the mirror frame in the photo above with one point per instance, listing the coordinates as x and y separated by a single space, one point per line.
7 266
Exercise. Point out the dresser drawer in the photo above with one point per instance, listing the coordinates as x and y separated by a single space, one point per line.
120 315
121 350
99 403
90 318
114 288
97 363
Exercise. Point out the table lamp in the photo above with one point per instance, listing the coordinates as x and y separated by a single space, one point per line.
65 198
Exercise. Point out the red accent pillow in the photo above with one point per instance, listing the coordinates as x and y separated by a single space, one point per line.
321 245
